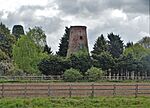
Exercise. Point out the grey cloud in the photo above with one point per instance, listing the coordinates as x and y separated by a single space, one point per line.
1 13
75 7
25 15
129 30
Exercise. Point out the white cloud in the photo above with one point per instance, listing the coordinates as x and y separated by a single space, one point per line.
119 14
12 5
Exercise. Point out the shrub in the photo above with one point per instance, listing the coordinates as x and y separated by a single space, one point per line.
72 75
94 73
54 65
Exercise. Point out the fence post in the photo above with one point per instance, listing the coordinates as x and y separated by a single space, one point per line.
70 90
48 89
114 89
92 93
25 90
2 90
136 90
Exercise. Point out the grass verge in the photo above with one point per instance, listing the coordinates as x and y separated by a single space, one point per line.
76 102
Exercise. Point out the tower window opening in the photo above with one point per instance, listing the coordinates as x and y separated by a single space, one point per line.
81 37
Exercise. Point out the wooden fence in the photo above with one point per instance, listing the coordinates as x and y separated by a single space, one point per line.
72 90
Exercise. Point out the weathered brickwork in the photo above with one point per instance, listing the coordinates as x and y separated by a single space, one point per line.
77 39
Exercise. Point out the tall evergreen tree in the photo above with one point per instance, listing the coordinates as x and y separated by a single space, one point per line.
47 49
115 45
63 46
100 45
129 44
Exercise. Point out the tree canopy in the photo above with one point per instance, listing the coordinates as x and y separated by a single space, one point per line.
38 36
115 45
100 45
26 55
145 42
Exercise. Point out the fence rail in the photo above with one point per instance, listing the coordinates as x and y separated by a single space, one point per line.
57 77
71 90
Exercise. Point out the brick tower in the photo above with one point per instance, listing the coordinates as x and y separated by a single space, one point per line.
77 39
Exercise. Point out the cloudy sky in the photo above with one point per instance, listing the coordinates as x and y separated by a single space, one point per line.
128 18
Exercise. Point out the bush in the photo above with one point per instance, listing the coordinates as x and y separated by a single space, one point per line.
54 65
94 73
72 75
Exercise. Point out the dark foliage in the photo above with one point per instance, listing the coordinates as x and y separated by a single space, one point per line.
115 45
63 46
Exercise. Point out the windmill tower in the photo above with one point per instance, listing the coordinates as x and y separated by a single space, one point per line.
77 39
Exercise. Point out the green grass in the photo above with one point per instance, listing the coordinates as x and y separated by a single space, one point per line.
76 102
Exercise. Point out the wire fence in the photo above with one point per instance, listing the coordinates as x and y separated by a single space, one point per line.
72 90
57 77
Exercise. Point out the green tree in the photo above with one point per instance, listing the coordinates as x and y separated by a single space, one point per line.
100 45
146 64
37 35
6 67
6 40
134 60
17 31
104 61
81 61
63 46
137 51
129 44
115 45
3 56
126 64
26 55
47 49
4 29
145 42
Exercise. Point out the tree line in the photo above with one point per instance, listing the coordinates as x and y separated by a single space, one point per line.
28 54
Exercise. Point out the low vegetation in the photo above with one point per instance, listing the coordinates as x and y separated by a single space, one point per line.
76 102
72 75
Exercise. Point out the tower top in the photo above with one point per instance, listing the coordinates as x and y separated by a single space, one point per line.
78 26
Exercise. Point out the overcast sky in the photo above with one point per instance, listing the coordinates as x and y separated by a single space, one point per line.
128 18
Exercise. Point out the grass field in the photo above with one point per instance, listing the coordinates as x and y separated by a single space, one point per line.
76 102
